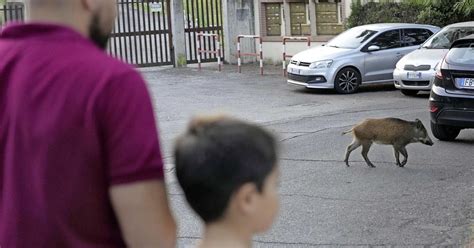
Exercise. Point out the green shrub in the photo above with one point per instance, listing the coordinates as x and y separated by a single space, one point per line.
438 13
383 13
445 12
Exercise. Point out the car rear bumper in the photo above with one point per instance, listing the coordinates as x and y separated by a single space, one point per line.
424 82
452 111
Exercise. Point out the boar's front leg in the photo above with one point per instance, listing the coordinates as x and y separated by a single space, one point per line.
397 155
404 152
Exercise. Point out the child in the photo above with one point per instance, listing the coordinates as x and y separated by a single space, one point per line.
229 174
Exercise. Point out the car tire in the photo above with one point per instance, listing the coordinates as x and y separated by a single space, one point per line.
445 133
347 81
409 92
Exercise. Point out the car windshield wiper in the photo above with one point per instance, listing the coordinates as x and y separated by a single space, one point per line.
333 46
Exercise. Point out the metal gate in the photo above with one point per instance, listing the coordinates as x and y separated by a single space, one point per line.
142 34
202 16
11 12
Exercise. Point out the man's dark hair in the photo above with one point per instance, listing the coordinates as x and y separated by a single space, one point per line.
216 156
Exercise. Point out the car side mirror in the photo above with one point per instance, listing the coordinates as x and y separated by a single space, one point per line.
373 48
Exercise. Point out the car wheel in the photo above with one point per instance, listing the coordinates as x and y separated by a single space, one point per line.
409 92
445 133
347 81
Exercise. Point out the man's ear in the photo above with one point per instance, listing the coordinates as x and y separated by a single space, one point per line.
87 4
245 198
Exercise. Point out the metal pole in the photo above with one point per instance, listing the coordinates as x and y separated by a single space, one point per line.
308 39
199 49
239 61
261 56
218 52
284 56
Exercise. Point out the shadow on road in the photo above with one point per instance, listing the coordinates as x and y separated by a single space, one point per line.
423 95
462 141
362 89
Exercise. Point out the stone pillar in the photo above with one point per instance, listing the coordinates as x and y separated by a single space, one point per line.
347 8
287 17
179 38
257 14
238 18
312 17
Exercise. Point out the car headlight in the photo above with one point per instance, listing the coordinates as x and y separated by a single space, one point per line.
399 66
321 64
435 68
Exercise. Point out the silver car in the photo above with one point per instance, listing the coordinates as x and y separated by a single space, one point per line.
365 54
416 71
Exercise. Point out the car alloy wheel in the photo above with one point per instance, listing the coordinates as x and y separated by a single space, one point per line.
347 81
445 133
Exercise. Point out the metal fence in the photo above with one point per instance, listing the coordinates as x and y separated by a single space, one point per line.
202 16
11 12
142 34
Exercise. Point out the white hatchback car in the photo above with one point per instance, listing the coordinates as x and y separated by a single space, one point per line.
364 54
416 71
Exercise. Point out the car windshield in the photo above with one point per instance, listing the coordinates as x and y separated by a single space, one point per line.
352 38
461 55
446 37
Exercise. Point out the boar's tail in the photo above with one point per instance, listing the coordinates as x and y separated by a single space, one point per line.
348 131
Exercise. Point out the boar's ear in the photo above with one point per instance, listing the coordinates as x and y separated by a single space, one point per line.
419 124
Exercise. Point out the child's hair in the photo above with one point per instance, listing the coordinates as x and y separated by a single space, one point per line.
216 156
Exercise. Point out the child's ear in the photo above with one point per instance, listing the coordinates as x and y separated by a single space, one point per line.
245 198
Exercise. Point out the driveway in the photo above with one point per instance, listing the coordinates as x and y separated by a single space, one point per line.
324 203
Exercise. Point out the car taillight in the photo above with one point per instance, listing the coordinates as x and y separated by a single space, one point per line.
433 107
439 74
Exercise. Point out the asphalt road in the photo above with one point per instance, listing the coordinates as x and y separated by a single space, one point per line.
324 203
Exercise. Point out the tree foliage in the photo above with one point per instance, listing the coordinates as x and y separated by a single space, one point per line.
434 12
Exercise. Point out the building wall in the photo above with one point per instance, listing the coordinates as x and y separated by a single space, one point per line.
272 45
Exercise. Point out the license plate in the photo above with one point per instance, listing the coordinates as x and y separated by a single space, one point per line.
466 83
294 71
414 75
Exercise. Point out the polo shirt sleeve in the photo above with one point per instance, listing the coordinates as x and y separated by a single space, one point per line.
129 132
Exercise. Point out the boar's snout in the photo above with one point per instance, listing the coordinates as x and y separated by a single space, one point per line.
428 142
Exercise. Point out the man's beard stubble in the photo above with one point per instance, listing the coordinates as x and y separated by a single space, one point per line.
96 34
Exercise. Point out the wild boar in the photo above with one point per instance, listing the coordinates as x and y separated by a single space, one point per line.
388 131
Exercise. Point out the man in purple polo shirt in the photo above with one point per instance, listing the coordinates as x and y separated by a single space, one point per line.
80 162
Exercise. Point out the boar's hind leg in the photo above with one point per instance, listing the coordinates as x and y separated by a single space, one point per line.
354 145
404 152
365 150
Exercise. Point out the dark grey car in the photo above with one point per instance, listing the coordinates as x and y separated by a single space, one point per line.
452 95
